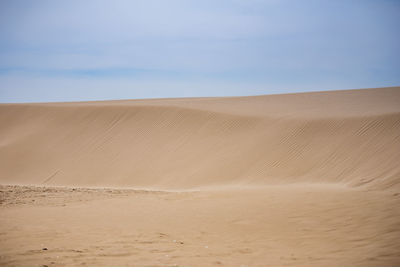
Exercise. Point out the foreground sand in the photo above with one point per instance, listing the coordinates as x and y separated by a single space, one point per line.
297 225
307 179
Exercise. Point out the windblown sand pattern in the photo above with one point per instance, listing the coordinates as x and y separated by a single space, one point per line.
309 179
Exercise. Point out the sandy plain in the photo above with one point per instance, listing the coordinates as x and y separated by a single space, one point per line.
309 179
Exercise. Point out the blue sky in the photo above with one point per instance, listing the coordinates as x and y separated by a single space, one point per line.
92 50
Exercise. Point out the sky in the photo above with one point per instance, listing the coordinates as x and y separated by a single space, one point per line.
97 50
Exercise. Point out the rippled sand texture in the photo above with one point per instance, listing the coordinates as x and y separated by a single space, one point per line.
310 179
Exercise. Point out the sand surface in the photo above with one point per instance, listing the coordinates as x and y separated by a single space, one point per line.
310 179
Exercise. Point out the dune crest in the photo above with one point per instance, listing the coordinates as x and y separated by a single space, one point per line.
349 138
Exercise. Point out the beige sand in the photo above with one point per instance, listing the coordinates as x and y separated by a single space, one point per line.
309 179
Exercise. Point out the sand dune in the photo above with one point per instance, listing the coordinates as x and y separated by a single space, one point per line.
310 179
346 137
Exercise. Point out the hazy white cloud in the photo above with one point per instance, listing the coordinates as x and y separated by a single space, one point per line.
219 44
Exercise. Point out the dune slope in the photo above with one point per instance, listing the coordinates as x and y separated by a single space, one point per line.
346 137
